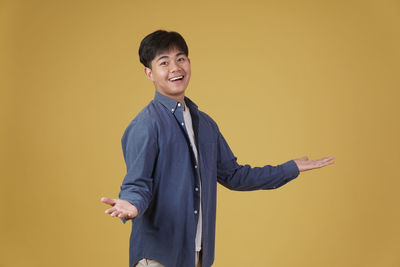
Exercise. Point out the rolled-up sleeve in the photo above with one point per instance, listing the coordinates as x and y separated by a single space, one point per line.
140 149
247 178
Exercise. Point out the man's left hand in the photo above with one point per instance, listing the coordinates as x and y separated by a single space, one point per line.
305 164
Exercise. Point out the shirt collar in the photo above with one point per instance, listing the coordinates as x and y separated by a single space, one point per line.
171 103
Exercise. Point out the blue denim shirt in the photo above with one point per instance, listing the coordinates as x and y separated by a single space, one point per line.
163 178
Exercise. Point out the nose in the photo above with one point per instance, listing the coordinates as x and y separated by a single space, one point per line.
174 67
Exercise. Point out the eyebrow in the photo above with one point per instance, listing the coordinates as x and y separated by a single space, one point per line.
177 55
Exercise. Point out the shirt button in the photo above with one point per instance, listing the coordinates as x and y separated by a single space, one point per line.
182 124
179 104
195 166
196 189
172 110
195 212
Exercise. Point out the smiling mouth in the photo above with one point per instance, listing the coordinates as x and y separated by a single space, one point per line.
178 78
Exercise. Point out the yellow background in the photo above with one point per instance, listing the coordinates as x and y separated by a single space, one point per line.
283 79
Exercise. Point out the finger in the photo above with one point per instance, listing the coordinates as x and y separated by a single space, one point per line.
122 214
314 164
125 215
128 215
317 164
329 163
323 160
115 213
109 211
325 163
328 158
108 201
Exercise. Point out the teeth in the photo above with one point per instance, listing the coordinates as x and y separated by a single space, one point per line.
176 78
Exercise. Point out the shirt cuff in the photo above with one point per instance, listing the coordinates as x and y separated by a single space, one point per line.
290 170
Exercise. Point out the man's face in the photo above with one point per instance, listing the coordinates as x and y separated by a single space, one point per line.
170 73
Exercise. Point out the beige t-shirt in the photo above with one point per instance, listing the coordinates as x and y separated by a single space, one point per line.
189 128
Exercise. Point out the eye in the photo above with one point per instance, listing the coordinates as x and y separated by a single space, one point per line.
181 59
164 63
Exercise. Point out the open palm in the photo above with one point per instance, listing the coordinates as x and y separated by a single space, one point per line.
120 208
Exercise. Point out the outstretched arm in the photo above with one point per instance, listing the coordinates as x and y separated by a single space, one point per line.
247 178
305 164
139 145
120 208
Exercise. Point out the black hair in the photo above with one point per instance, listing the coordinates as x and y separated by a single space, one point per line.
159 42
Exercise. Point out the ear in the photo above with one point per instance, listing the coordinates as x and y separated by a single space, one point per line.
149 73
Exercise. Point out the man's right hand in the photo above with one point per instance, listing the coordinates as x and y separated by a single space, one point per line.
120 208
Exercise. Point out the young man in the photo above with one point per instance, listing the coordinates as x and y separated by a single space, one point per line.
175 155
